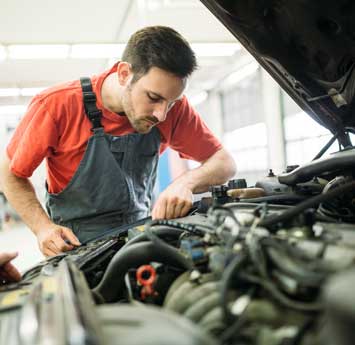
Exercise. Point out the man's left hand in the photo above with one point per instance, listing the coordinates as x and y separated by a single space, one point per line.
8 272
174 202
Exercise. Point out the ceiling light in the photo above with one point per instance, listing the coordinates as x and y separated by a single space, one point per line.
15 91
44 51
12 109
87 51
215 49
154 5
104 51
31 91
2 53
10 92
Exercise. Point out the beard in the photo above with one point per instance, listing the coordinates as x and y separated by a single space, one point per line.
142 124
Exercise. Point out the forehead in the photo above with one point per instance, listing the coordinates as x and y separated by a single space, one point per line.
163 83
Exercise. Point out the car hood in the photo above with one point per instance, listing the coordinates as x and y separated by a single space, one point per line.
307 46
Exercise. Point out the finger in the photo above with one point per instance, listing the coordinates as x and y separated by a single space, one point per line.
51 246
48 252
60 245
185 209
178 210
6 257
4 276
171 208
160 209
69 235
12 272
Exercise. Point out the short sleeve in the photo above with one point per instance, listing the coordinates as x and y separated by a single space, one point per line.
34 139
189 135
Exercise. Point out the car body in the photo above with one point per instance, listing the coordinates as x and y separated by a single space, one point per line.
259 270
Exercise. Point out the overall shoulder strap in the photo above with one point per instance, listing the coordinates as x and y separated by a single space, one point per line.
93 113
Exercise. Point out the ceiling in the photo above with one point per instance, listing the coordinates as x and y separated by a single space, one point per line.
93 22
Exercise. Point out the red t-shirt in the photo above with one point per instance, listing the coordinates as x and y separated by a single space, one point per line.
56 127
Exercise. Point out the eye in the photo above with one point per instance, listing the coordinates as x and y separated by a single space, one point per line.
153 99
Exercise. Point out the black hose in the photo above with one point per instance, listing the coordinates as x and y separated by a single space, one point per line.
279 296
259 260
227 277
284 199
296 210
292 265
160 232
111 287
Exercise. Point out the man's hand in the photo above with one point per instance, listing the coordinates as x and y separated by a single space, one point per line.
174 202
8 272
56 239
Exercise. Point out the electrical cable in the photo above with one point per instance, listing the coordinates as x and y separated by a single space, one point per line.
298 209
226 280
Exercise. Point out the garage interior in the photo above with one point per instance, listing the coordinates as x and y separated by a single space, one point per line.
43 44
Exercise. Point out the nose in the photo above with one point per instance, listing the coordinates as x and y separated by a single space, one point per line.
160 111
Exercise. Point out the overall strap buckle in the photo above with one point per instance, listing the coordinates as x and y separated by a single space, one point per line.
93 113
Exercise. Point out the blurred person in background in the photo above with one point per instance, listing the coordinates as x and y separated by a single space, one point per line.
8 272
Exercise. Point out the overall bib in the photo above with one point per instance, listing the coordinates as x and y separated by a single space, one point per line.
114 181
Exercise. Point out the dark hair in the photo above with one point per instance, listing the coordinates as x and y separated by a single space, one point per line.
162 47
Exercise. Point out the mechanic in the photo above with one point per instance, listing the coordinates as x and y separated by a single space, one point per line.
102 147
8 272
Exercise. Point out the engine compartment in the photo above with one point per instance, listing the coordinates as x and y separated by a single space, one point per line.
246 271
249 265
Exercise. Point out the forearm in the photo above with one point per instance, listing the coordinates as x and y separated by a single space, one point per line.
21 195
216 170
177 199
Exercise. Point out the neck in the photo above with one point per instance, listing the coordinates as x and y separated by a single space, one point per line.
110 94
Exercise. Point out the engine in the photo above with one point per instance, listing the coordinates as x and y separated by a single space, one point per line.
250 265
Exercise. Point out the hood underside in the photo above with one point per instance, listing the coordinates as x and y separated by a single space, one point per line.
307 46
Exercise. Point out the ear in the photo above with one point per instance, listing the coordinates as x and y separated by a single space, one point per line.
124 72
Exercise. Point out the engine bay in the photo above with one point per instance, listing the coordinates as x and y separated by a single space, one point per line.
258 264
249 265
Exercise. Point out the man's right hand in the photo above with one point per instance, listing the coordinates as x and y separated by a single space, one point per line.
56 239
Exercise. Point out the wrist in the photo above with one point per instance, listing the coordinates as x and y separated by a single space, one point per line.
186 181
43 225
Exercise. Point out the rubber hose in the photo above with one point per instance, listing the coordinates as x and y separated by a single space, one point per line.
296 210
162 232
283 198
112 284
227 278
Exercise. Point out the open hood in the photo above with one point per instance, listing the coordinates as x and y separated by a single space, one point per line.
307 46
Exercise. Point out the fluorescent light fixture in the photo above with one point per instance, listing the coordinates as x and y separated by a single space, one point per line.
10 92
88 51
2 53
31 91
103 51
12 109
154 5
240 74
42 51
215 49
198 98
15 91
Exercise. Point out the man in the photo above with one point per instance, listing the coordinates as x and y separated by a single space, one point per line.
8 272
102 147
